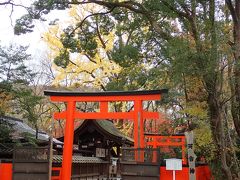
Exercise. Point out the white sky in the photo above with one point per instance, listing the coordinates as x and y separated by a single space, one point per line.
36 46
6 29
33 40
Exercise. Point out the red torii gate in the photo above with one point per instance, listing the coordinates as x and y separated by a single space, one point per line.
70 98
157 140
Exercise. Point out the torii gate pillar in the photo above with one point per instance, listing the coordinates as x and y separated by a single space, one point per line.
138 115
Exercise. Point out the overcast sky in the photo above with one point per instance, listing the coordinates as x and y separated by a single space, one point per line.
33 40
6 26
36 46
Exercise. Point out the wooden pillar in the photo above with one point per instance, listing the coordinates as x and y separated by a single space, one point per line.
68 142
50 153
154 159
138 129
104 107
183 151
135 131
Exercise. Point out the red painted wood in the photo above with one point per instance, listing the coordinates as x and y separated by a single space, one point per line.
5 171
70 114
104 107
68 142
202 173
105 115
150 115
168 175
164 141
60 173
138 128
135 129
184 159
96 115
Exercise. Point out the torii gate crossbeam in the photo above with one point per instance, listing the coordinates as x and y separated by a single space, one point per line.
137 115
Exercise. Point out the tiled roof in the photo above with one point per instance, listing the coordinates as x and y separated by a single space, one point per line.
20 127
105 125
78 159
111 128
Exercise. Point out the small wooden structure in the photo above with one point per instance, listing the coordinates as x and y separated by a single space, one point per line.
99 139
20 132
82 168
149 168
31 163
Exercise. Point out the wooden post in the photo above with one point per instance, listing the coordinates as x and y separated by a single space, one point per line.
50 156
184 160
138 130
191 155
154 159
68 142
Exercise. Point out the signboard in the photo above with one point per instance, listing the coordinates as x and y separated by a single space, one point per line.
100 152
173 164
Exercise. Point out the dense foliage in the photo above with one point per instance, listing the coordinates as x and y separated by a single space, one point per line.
17 95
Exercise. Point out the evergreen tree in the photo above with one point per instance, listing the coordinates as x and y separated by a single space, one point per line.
17 96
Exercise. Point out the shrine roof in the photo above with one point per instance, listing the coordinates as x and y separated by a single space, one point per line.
106 127
104 93
20 127
110 128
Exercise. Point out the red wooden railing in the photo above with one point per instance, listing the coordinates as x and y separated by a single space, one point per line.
57 177
5 171
167 141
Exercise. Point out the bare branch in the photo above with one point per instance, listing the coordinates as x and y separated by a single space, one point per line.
10 16
99 36
90 59
178 12
130 5
94 14
12 4
5 3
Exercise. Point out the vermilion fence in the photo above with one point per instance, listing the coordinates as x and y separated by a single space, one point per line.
5 171
157 141
202 173
56 173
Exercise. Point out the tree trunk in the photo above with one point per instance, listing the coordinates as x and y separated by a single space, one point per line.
218 132
235 85
234 8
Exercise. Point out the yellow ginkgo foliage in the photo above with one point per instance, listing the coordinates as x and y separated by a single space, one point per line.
82 70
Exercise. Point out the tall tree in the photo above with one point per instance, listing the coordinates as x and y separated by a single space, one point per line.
15 85
81 62
234 8
13 72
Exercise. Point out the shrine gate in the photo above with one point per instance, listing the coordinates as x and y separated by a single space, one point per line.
70 114
156 141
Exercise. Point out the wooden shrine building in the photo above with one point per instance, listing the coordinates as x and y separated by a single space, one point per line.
96 138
